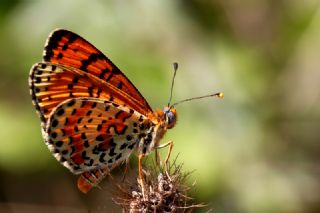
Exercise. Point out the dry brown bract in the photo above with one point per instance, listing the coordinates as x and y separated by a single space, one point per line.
164 191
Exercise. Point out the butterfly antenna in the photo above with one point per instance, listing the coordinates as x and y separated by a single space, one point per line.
218 95
175 68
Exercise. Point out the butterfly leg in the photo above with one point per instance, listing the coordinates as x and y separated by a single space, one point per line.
170 144
141 180
157 157
140 166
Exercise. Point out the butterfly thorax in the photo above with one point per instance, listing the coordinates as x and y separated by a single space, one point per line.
162 120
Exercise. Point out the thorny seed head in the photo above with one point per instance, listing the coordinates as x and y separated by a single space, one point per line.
164 191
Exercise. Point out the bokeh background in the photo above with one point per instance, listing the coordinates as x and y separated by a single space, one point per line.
257 150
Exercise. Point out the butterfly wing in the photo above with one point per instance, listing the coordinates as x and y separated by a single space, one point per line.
90 112
87 133
50 84
67 48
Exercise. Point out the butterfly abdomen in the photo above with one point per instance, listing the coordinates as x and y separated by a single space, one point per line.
92 178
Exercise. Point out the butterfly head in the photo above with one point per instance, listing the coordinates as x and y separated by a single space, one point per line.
170 116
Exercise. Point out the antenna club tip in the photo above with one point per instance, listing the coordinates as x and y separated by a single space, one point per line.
175 65
220 95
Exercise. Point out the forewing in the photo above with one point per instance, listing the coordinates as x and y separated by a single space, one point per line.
87 133
51 84
67 48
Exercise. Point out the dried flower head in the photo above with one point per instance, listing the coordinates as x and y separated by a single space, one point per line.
162 190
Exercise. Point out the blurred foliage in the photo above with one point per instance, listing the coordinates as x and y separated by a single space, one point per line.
255 151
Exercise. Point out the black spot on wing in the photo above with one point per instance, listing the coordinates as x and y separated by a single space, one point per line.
117 131
92 58
101 158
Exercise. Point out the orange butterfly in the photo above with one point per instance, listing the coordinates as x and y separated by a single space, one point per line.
92 116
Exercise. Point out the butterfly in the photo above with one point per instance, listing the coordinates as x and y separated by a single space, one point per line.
92 117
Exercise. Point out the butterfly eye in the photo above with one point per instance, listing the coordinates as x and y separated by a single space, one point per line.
170 118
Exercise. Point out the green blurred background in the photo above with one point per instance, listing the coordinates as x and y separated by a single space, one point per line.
257 150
